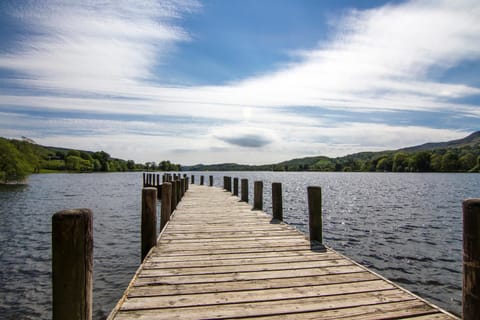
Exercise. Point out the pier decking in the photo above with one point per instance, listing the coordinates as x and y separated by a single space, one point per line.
219 259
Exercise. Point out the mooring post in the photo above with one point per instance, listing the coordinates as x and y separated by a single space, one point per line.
315 213
258 195
179 191
166 207
174 195
210 181
244 191
202 178
159 191
471 259
225 182
193 179
186 184
235 187
229 184
72 264
182 187
277 202
144 179
149 219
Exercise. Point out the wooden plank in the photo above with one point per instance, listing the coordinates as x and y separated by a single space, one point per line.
241 285
235 276
151 271
191 300
265 308
391 310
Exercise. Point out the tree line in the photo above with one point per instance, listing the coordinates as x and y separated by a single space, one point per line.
19 158
465 159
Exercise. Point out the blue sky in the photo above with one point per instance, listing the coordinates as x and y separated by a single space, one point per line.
238 81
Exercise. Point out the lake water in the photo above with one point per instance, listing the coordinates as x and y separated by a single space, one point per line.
407 227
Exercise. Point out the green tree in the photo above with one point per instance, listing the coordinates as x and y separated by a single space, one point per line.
130 165
421 161
384 164
401 162
467 162
13 165
436 162
449 162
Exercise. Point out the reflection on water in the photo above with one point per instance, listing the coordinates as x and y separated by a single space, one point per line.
406 227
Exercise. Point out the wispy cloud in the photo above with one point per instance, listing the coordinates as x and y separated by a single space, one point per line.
101 57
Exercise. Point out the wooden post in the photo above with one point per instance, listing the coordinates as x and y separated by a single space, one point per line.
182 187
72 264
229 184
211 181
166 208
471 259
258 195
193 179
235 187
174 195
244 186
144 179
149 220
225 182
186 184
315 213
277 203
159 191
202 178
164 178
179 191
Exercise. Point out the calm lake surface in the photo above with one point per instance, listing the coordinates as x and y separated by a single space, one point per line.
407 227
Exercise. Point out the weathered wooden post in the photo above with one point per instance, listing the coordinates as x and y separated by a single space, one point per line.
277 203
144 179
179 191
193 179
211 181
174 195
244 191
186 183
471 259
225 182
149 220
164 178
72 264
315 213
202 178
182 187
159 191
166 208
258 195
235 187
229 184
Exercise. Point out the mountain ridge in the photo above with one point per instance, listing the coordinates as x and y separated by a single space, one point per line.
460 155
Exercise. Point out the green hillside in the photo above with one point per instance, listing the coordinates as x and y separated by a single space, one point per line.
461 155
19 158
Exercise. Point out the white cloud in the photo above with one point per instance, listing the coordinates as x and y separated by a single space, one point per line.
88 53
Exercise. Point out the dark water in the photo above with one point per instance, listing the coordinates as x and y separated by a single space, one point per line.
407 227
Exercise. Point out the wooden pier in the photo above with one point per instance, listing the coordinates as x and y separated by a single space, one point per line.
218 259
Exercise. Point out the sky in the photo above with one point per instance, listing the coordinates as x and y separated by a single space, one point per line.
249 81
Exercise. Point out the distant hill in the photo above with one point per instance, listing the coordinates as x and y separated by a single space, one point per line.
472 140
19 158
462 155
